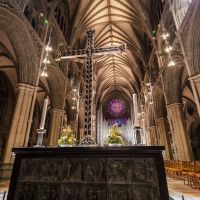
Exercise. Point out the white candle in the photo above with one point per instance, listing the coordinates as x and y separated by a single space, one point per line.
44 112
135 107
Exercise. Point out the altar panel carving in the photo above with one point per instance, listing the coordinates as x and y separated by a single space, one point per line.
87 178
95 192
120 192
144 171
94 170
119 171
72 191
142 192
26 191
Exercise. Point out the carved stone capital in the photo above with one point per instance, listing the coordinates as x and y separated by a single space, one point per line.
25 87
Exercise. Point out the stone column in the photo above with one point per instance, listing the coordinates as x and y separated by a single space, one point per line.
81 134
19 124
180 136
153 135
163 136
194 77
73 125
55 126
195 83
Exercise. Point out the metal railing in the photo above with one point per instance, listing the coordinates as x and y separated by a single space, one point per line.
3 195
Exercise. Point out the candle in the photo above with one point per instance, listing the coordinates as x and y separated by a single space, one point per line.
135 107
44 112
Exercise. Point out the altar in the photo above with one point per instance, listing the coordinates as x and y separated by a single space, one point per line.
89 173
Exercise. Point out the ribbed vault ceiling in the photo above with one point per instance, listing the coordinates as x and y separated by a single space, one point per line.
115 22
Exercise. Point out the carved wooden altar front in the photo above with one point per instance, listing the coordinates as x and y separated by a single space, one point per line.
88 173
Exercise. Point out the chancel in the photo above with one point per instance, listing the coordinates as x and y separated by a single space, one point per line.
99 99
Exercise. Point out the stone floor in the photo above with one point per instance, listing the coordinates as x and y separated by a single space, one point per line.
179 191
176 189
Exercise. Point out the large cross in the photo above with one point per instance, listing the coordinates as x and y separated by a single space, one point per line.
89 52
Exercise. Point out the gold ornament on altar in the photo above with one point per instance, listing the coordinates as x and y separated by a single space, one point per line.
67 137
114 137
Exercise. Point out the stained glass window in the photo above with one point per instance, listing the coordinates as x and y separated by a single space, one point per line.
116 107
116 110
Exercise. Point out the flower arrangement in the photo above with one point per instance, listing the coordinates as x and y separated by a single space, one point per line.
67 136
114 136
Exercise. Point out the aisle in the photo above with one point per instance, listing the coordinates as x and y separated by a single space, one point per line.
177 189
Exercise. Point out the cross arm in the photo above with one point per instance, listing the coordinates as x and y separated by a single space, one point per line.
71 54
110 50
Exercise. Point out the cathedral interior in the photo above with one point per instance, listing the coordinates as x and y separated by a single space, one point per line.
99 63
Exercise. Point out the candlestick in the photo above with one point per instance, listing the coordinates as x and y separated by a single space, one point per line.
44 112
40 136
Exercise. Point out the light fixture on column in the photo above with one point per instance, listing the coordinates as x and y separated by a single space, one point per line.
48 48
171 63
74 90
151 102
44 71
73 107
46 57
74 98
148 97
165 35
168 48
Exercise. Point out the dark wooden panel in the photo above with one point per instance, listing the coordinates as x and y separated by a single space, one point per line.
89 173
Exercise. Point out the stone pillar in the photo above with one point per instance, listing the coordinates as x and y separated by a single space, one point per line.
81 134
55 126
73 125
163 136
153 135
181 139
195 78
19 124
195 83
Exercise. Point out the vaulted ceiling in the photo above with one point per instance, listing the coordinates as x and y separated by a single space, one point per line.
115 22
